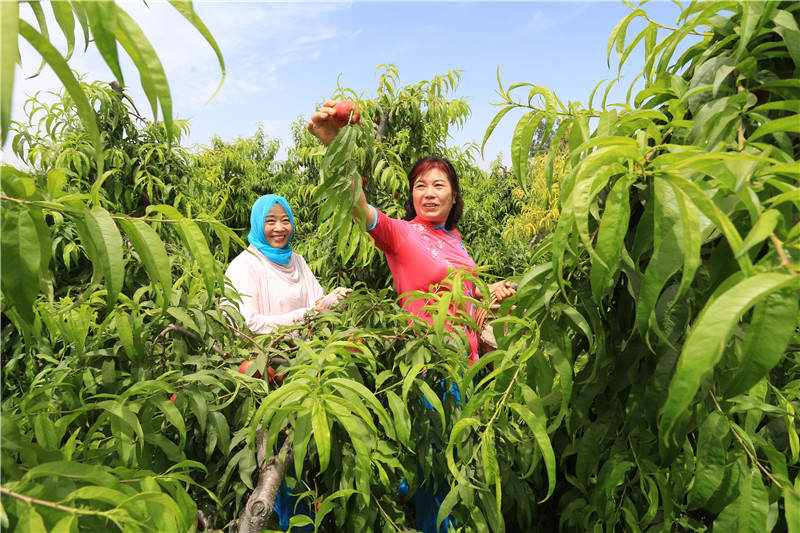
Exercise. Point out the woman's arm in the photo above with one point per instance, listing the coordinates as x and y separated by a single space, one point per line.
325 129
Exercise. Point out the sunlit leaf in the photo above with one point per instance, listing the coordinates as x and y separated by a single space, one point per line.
9 53
108 245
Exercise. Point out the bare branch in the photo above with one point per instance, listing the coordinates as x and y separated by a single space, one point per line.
261 502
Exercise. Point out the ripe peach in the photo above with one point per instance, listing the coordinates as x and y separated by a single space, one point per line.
347 112
243 368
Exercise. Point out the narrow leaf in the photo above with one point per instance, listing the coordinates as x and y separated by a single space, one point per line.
704 347
19 269
198 246
9 54
108 245
67 78
322 434
767 336
102 19
154 79
153 254
66 21
185 8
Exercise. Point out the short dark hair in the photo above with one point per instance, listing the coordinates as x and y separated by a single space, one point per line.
420 167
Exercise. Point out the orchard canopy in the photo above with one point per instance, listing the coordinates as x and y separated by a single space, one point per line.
646 375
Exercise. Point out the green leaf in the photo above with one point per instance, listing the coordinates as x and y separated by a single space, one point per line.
66 524
124 324
493 125
489 457
198 245
100 494
711 460
322 433
365 394
45 432
537 426
172 415
151 72
402 421
108 246
153 254
124 414
30 522
791 499
786 26
789 124
753 504
455 437
770 329
19 269
222 430
618 35
9 54
185 8
355 431
610 236
62 12
38 12
521 145
667 255
102 18
712 212
78 471
67 78
441 314
704 346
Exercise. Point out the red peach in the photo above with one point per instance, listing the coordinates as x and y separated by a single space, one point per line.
347 112
243 368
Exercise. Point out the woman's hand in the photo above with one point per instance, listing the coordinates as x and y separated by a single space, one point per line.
502 290
329 301
322 125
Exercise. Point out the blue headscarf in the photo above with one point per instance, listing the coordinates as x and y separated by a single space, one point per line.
258 216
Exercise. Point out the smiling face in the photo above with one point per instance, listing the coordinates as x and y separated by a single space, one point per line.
433 196
277 227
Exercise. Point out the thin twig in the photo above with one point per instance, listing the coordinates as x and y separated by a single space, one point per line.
753 458
45 503
779 249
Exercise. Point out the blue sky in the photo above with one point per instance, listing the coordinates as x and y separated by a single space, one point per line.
283 58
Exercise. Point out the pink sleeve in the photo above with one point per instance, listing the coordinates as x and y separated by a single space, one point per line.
389 233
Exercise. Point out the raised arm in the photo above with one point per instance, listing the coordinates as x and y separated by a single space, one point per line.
323 127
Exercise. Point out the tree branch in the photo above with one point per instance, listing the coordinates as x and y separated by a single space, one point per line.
261 502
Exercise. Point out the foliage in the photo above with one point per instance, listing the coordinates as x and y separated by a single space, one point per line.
668 318
539 214
107 25
648 368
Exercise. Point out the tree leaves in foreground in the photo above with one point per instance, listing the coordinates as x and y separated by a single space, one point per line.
674 289
647 372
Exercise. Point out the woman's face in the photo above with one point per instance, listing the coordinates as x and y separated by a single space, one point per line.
277 227
433 196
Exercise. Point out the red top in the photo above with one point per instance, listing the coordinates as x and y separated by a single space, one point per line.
419 255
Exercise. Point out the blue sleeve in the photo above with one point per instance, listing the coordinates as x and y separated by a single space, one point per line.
374 222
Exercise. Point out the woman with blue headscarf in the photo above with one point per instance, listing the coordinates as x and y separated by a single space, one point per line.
277 289
276 285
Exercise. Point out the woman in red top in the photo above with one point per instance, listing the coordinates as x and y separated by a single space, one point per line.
420 250
425 244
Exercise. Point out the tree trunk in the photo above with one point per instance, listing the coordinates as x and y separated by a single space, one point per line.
260 504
